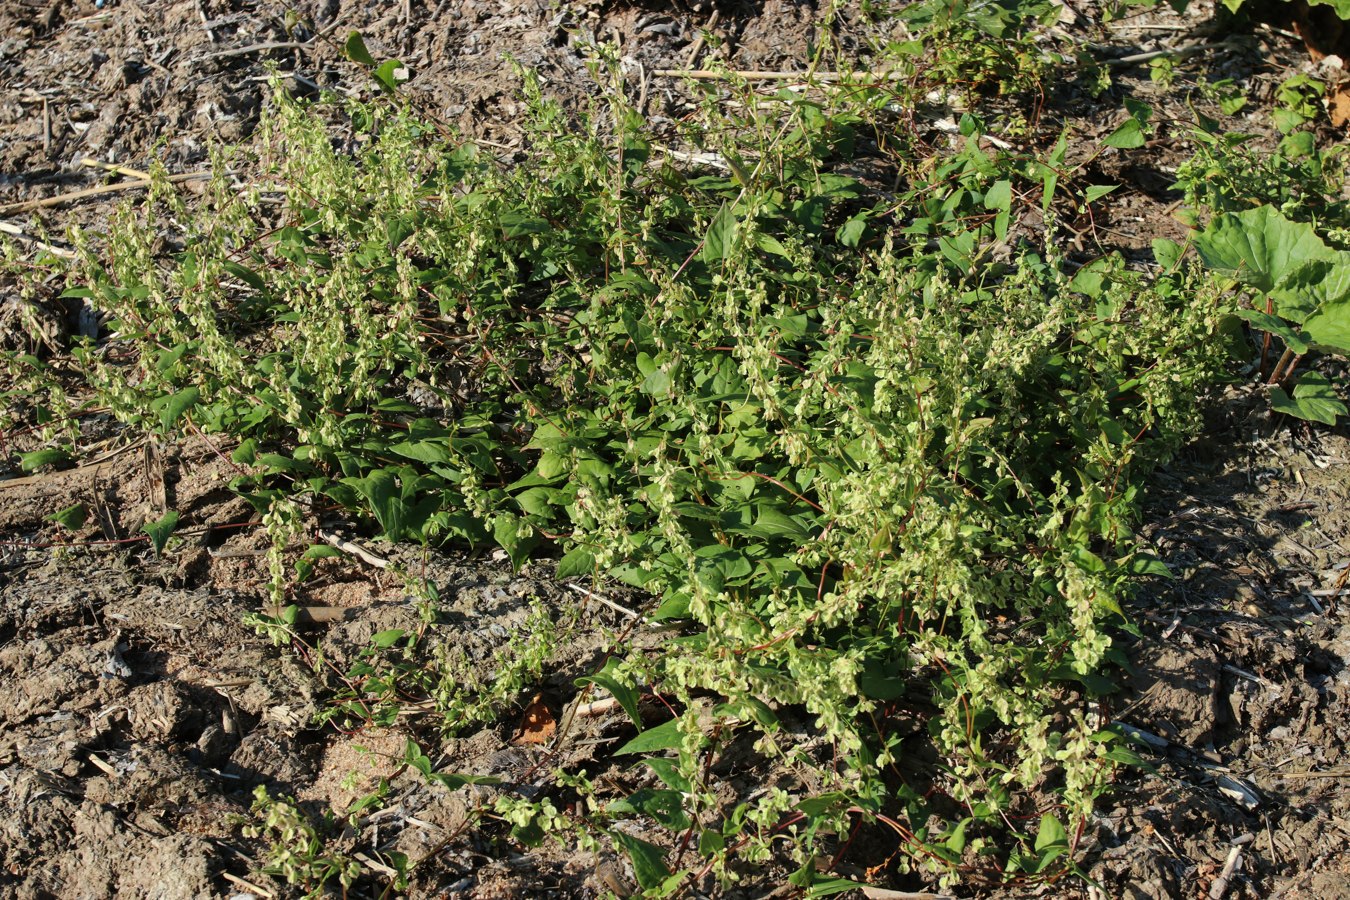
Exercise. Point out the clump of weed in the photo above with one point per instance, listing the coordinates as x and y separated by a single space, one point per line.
875 456
297 853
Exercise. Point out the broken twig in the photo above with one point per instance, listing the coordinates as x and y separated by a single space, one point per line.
258 48
759 75
1135 59
596 708
697 46
42 245
356 550
246 885
111 167
1220 885
592 595
61 199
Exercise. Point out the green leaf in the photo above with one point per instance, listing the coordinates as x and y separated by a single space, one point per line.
551 465
831 886
1340 7
773 522
851 232
1048 857
1314 399
384 639
649 860
668 770
423 451
392 73
397 231
1259 246
356 50
515 224
175 405
1086 560
666 807
999 196
515 536
675 606
663 737
52 456
529 834
657 384
167 359
770 244
1143 564
956 841
1127 136
1141 112
72 518
753 708
246 453
1098 191
1329 326
276 462
822 804
547 436
380 490
1051 833
1092 278
1318 296
881 682
1297 341
577 562
244 274
1286 120
1167 253
804 875
1299 145
721 232
1049 170
160 530
416 759
1127 757
621 690
321 552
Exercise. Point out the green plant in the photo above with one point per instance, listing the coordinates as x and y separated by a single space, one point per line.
534 821
1228 173
33 386
396 670
1341 8
1303 298
975 48
1299 100
298 853
871 452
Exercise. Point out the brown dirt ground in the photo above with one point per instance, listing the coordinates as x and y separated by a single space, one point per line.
137 710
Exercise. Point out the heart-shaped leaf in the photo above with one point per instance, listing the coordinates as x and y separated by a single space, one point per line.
160 530
356 50
72 518
1314 399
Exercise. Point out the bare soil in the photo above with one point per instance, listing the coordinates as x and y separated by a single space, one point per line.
138 711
